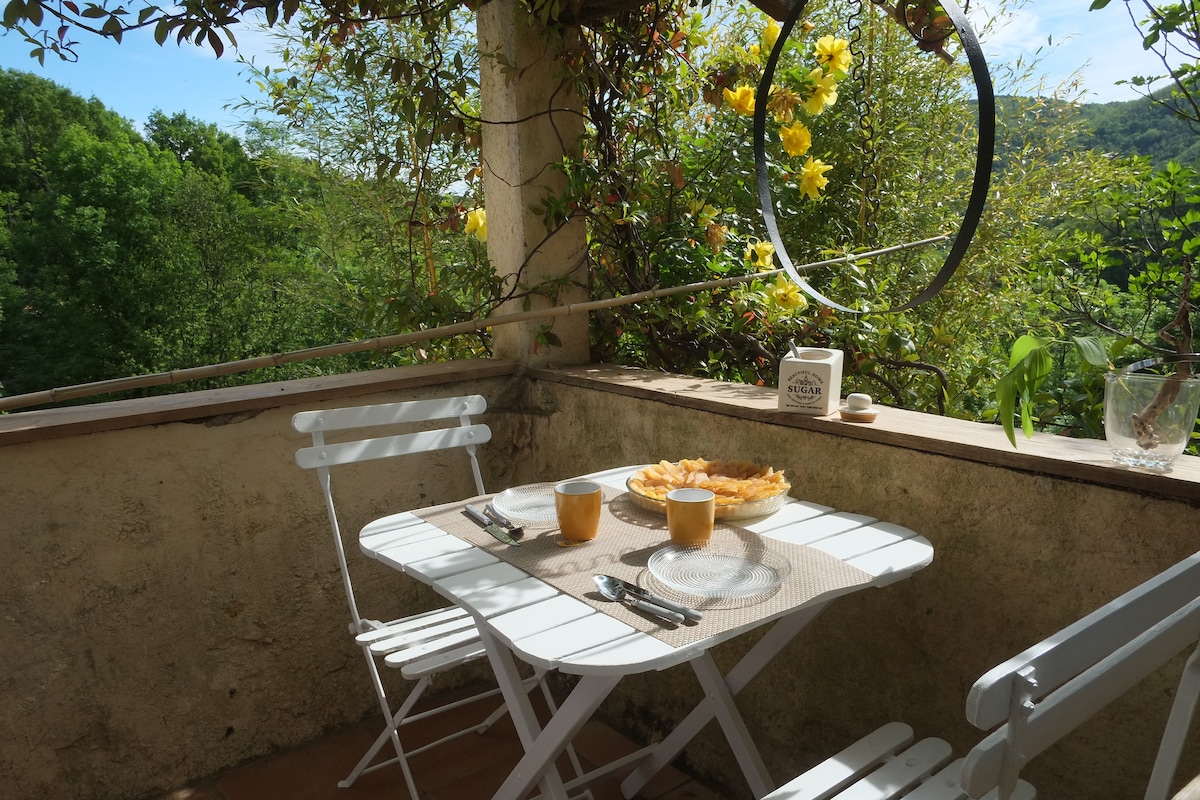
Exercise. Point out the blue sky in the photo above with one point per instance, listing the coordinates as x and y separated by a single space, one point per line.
138 76
1103 44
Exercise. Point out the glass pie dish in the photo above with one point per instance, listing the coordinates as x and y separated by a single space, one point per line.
728 507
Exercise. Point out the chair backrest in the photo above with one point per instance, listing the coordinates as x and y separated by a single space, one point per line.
321 456
1054 686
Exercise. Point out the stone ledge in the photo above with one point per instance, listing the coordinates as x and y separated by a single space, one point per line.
1085 460
1075 459
31 426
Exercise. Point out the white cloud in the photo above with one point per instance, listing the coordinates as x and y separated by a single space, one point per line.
1062 37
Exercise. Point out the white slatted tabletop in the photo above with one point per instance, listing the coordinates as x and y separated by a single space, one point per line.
520 615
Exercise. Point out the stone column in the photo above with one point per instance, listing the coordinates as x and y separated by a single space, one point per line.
531 118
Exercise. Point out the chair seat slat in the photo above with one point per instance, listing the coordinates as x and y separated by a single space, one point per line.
901 773
835 773
421 637
443 643
415 622
443 660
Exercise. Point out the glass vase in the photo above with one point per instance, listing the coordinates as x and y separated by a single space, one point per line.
1142 427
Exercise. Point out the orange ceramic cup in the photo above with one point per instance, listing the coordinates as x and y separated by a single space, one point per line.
577 505
690 514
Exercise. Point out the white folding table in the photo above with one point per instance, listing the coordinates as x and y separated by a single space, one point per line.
522 617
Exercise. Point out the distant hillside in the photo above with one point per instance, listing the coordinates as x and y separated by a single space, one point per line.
1138 127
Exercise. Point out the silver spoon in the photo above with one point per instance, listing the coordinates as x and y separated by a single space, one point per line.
613 591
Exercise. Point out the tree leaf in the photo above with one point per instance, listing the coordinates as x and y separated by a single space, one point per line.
1092 350
13 12
1006 400
214 41
1022 348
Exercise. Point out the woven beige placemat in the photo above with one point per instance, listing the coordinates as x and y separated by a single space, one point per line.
628 537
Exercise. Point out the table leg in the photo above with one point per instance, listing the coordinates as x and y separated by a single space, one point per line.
720 701
761 654
541 746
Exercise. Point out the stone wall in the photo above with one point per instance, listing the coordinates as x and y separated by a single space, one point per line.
172 607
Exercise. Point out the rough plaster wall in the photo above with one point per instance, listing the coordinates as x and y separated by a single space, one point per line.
1017 557
172 605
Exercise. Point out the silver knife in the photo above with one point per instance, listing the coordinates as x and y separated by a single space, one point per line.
637 591
495 530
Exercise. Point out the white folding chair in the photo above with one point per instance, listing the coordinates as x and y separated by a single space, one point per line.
1036 698
422 645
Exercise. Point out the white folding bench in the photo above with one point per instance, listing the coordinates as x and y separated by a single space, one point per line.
1033 700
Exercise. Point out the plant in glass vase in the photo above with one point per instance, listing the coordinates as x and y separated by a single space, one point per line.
1149 418
1131 275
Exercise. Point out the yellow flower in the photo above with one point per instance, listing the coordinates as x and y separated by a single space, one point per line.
796 139
812 177
771 34
834 52
741 100
782 103
787 294
763 254
477 223
824 92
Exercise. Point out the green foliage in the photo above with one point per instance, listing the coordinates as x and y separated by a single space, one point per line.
207 148
1030 364
670 198
392 165
1126 270
126 258
1142 128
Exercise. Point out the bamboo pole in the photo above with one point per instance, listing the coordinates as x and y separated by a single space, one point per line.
397 340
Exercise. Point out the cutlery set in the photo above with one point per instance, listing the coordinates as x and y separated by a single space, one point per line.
615 589
496 524
637 597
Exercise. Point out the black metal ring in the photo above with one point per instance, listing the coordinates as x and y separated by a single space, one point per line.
983 160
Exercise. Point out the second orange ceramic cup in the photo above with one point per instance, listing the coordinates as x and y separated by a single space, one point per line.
690 515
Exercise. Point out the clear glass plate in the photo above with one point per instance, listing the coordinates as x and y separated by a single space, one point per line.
719 571
531 505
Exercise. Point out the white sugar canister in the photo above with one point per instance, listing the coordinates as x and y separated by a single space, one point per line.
810 381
